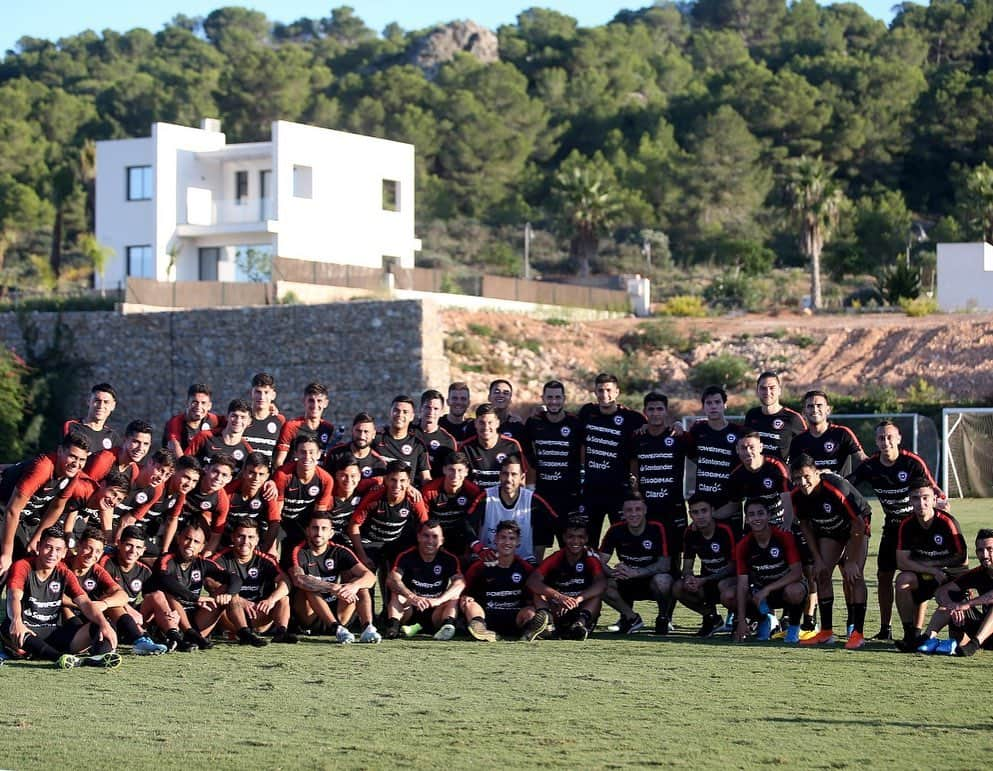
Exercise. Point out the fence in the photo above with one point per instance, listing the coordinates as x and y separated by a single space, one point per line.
197 294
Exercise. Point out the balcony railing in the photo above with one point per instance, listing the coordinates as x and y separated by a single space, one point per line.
203 209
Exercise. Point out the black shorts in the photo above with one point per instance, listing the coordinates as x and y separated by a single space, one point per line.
59 637
974 618
886 559
422 617
633 589
927 585
570 617
503 622
776 599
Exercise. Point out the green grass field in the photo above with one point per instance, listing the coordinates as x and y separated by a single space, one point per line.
636 701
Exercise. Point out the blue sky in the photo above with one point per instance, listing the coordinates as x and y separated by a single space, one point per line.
53 19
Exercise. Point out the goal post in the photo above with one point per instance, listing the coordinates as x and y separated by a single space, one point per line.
967 451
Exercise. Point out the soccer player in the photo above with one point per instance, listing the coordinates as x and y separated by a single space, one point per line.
438 441
247 500
349 487
500 395
965 606
642 570
425 585
266 423
263 601
398 441
169 506
181 613
510 500
713 446
758 476
36 590
127 458
552 439
769 575
570 585
489 448
195 418
100 436
208 501
147 490
930 551
607 428
496 600
888 472
228 440
315 401
455 422
92 504
449 499
834 518
713 543
304 489
834 448
30 487
371 463
775 424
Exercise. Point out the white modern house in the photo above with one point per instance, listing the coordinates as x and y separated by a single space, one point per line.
184 205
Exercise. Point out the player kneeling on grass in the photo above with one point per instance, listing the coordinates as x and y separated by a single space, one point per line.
425 585
263 602
834 518
570 585
35 626
642 571
930 551
711 542
332 584
965 606
186 617
496 600
769 576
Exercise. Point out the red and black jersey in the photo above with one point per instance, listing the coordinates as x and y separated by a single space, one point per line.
300 499
244 506
37 481
41 604
976 583
635 549
407 448
103 439
258 575
169 506
344 506
96 582
892 483
570 578
767 482
186 582
207 444
440 444
461 431
553 450
833 507
101 463
137 502
263 435
372 465
484 463
605 441
766 564
324 434
179 430
716 553
329 565
131 581
213 507
451 510
936 543
715 453
85 502
777 430
498 589
661 463
836 450
427 578
380 521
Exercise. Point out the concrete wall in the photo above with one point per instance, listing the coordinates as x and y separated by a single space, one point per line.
965 277
366 352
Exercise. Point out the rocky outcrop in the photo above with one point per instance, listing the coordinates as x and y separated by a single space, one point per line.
443 42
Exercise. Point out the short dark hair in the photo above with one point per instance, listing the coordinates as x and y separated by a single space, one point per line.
714 390
263 379
485 409
919 483
984 534
397 466
509 524
92 533
255 459
224 459
430 394
345 460
315 388
458 385
511 460
428 524
196 522
117 480
188 463
553 384
750 435
133 533
803 460
363 417
164 457
454 457
756 502
239 405
656 396
303 437
500 381
75 439
55 531
198 388
766 375
630 494
106 388
699 497
886 422
815 392
606 377
136 427
250 522
402 399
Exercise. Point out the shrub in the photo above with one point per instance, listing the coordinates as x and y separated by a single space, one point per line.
684 305
653 336
725 369
634 374
920 306
557 322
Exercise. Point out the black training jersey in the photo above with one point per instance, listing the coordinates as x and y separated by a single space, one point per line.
766 564
409 449
777 430
258 575
635 549
329 565
660 462
372 465
836 450
131 581
715 452
892 483
498 589
716 553
768 482
41 603
427 578
452 511
440 444
553 450
833 507
484 463
606 441
939 541
570 578
263 435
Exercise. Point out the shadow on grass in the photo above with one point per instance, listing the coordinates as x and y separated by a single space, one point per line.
862 721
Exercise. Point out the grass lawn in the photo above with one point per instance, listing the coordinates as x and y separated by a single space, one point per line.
608 702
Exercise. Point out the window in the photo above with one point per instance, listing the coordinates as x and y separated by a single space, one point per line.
391 195
140 261
240 187
139 183
209 257
303 182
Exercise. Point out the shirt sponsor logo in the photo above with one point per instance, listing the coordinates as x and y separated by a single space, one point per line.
255 504
253 572
774 551
313 490
565 431
437 570
141 497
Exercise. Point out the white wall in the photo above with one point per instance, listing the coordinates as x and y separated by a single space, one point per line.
965 277
344 222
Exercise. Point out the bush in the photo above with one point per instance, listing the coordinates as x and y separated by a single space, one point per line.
725 369
653 336
13 405
733 292
634 374
921 306
684 305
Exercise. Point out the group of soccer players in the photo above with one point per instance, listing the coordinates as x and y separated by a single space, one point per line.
260 528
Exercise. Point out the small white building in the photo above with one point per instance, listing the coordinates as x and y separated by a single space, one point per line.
965 277
184 205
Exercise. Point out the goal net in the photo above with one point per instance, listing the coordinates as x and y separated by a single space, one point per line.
967 452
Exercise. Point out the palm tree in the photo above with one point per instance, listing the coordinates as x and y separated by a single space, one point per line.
814 201
589 205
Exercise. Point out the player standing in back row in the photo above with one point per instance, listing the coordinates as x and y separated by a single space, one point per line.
776 424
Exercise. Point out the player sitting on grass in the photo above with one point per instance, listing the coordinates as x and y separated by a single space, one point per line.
711 542
36 589
965 606
124 565
642 571
425 585
332 584
570 584
769 576
496 601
